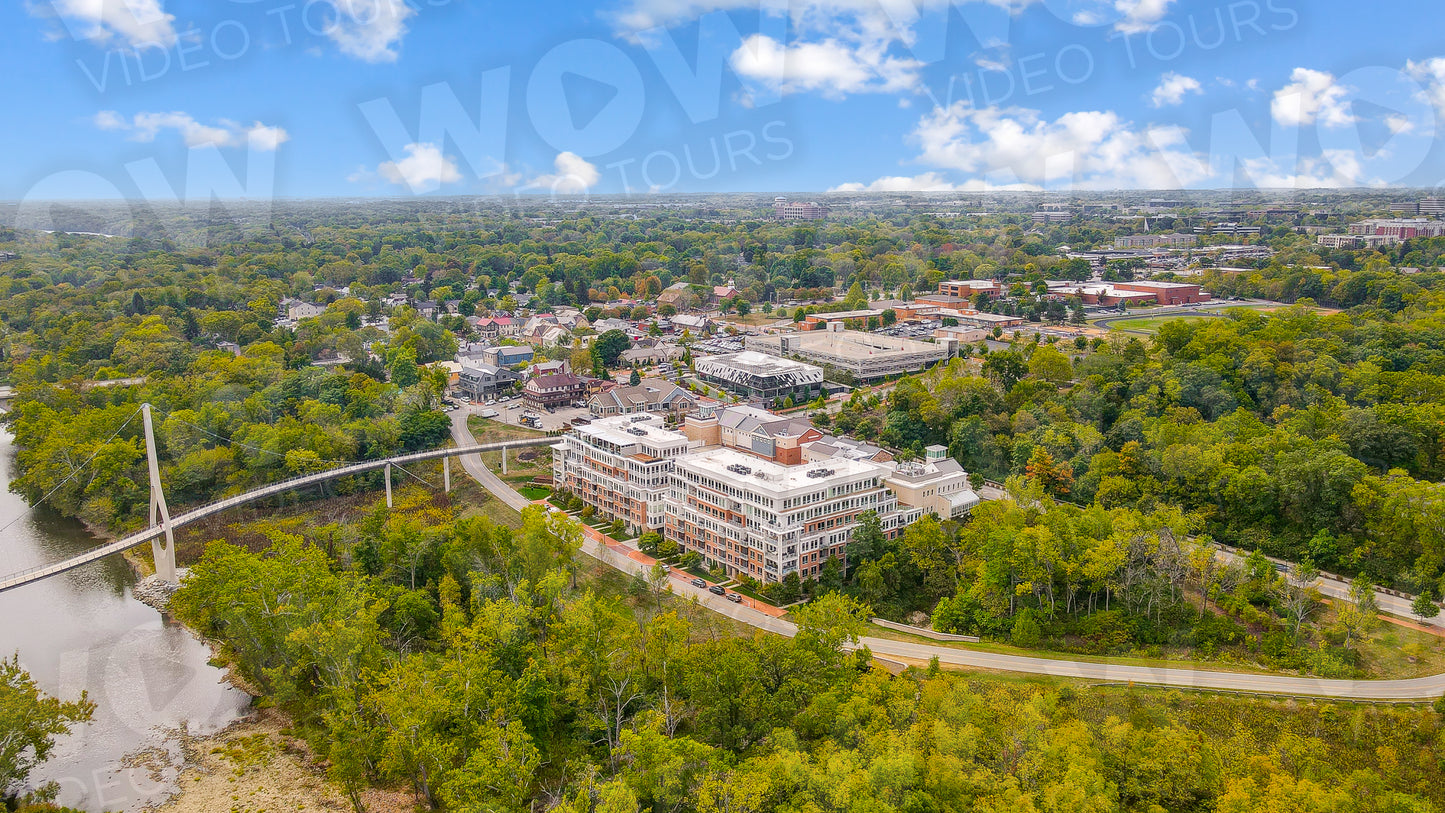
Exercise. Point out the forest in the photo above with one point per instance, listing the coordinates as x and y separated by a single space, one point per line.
473 666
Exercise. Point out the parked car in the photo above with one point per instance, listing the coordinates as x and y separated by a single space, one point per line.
735 598
717 589
699 583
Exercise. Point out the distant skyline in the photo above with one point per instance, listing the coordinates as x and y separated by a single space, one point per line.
165 100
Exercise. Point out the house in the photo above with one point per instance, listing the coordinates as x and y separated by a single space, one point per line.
508 355
426 309
656 354
697 323
679 295
651 396
549 391
490 327
722 292
548 368
297 310
480 381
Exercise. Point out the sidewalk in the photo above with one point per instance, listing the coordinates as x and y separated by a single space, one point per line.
647 561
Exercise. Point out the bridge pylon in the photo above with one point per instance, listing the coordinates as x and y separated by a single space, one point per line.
164 552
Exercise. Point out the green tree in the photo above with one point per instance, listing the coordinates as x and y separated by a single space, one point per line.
30 721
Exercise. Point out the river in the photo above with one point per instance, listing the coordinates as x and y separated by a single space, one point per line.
148 676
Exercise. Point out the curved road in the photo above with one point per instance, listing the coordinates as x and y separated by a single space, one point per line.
1414 689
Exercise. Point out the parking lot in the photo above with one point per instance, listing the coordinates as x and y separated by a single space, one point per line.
511 412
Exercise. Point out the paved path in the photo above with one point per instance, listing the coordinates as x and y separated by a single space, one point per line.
622 558
472 463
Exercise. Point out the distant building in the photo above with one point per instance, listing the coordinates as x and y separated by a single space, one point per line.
1341 240
1156 241
966 288
656 354
756 375
815 320
679 295
1052 216
298 310
784 209
868 356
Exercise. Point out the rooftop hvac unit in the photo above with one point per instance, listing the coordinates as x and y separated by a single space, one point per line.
816 473
738 468
637 430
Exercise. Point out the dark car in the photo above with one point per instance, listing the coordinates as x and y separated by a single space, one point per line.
699 583
717 590
735 598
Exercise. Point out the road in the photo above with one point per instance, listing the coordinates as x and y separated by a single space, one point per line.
1333 587
472 464
1414 689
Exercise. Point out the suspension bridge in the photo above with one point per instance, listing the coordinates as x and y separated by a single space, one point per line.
161 530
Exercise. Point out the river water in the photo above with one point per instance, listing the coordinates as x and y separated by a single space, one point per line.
148 676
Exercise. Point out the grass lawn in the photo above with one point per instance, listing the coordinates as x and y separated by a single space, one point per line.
486 430
1151 324
535 492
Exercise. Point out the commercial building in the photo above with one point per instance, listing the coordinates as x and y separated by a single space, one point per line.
1398 229
966 288
813 321
756 375
937 484
867 356
1341 240
621 465
1144 292
1053 217
1156 241
775 437
651 396
481 381
784 209
551 391
762 519
508 355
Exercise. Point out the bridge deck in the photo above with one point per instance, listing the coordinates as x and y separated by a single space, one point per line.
180 520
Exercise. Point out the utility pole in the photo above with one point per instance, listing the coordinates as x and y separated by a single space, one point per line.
164 553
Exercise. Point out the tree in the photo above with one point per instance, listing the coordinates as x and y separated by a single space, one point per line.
1298 596
30 721
1360 613
1057 479
1007 367
1424 607
608 347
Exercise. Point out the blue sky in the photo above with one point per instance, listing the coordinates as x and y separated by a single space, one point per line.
187 99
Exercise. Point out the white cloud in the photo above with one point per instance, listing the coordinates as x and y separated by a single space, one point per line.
839 46
225 133
831 67
423 169
1399 124
1084 150
1334 169
1173 88
1139 16
573 176
927 182
370 30
137 23
1309 97
1431 74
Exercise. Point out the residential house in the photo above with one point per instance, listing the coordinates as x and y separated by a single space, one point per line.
508 355
651 396
482 381
550 391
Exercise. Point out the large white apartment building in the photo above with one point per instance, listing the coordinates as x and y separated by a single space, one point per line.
621 465
763 519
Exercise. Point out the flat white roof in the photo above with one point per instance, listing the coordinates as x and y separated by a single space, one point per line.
751 361
627 430
765 476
